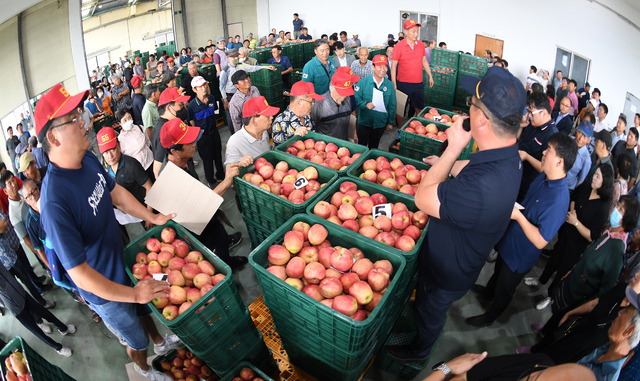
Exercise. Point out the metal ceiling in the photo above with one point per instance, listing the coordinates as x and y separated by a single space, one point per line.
92 8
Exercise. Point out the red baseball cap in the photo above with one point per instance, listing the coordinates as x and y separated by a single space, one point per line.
258 106
172 95
410 24
176 131
170 59
107 139
343 80
55 103
380 60
304 88
136 80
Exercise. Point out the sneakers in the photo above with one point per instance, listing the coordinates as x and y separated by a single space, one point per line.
234 240
531 281
71 329
170 342
49 304
152 374
45 327
543 304
65 351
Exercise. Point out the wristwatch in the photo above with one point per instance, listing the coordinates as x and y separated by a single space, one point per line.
442 366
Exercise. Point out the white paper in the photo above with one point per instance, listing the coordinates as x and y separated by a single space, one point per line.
382 210
378 101
175 191
124 218
517 205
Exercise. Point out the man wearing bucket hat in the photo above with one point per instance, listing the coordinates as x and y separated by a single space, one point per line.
295 120
29 169
469 213
331 114
77 195
180 141
408 60
376 102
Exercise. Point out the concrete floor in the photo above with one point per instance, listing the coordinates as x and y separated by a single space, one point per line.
100 357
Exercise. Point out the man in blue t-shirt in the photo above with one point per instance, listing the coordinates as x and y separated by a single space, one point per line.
298 24
545 210
77 202
283 61
469 213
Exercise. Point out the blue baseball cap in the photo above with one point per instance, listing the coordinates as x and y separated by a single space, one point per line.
500 92
389 35
586 128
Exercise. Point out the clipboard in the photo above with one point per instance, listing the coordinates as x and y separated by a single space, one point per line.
175 191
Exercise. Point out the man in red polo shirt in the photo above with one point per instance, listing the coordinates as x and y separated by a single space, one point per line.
409 58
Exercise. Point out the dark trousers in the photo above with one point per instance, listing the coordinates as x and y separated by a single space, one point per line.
32 314
509 367
562 299
210 149
229 121
560 262
502 286
368 136
21 271
431 307
28 270
215 237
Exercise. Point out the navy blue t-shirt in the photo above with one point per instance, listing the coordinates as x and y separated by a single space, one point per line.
203 114
297 25
475 208
77 215
533 141
545 206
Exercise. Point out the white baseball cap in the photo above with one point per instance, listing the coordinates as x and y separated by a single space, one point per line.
198 81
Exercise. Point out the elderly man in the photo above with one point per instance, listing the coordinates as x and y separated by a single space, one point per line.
464 225
150 110
331 114
408 60
283 61
320 68
137 68
121 94
138 100
91 257
245 91
244 59
252 139
342 59
186 80
29 169
202 114
376 102
171 105
356 39
295 120
363 66
219 56
429 50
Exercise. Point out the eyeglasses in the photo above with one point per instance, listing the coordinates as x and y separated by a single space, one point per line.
74 120
534 111
32 194
311 102
470 103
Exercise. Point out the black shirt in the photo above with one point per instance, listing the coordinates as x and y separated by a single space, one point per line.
138 101
159 152
131 176
186 85
11 147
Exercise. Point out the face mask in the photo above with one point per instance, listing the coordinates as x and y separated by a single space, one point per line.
99 95
615 218
244 59
127 125
182 114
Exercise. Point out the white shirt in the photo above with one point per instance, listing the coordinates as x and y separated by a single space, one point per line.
602 125
343 61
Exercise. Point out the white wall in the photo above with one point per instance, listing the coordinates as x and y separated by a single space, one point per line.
530 35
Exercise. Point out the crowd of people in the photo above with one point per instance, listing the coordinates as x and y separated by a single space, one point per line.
544 144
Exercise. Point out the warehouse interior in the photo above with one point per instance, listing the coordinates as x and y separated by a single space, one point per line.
46 42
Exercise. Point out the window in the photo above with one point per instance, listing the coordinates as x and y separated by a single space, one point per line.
429 22
573 66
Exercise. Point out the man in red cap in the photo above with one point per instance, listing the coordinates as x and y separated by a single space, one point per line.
137 68
253 138
408 59
137 100
77 197
295 120
170 105
180 141
331 114
376 100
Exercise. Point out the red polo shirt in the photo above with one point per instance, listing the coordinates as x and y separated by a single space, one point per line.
409 61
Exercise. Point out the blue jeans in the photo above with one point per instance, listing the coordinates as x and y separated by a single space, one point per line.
125 319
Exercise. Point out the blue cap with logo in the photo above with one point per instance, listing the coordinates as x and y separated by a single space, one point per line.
500 92
586 128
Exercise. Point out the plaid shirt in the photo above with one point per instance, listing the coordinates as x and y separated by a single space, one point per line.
360 71
9 242
285 125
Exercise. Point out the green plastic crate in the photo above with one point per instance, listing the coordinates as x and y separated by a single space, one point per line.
271 211
393 150
472 65
353 147
356 170
295 76
39 368
234 372
223 311
417 146
267 77
444 87
336 338
445 57
392 197
440 110
257 232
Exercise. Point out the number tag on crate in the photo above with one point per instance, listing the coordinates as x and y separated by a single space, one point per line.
382 210
301 182
162 277
437 118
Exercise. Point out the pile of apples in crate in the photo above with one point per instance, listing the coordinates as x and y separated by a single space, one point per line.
319 152
281 180
393 175
247 374
187 366
189 274
338 277
353 209
16 366
431 130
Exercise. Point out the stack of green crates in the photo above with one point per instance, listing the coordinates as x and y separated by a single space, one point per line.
444 87
318 339
269 82
295 76
375 50
218 327
39 368
468 65
308 51
262 211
